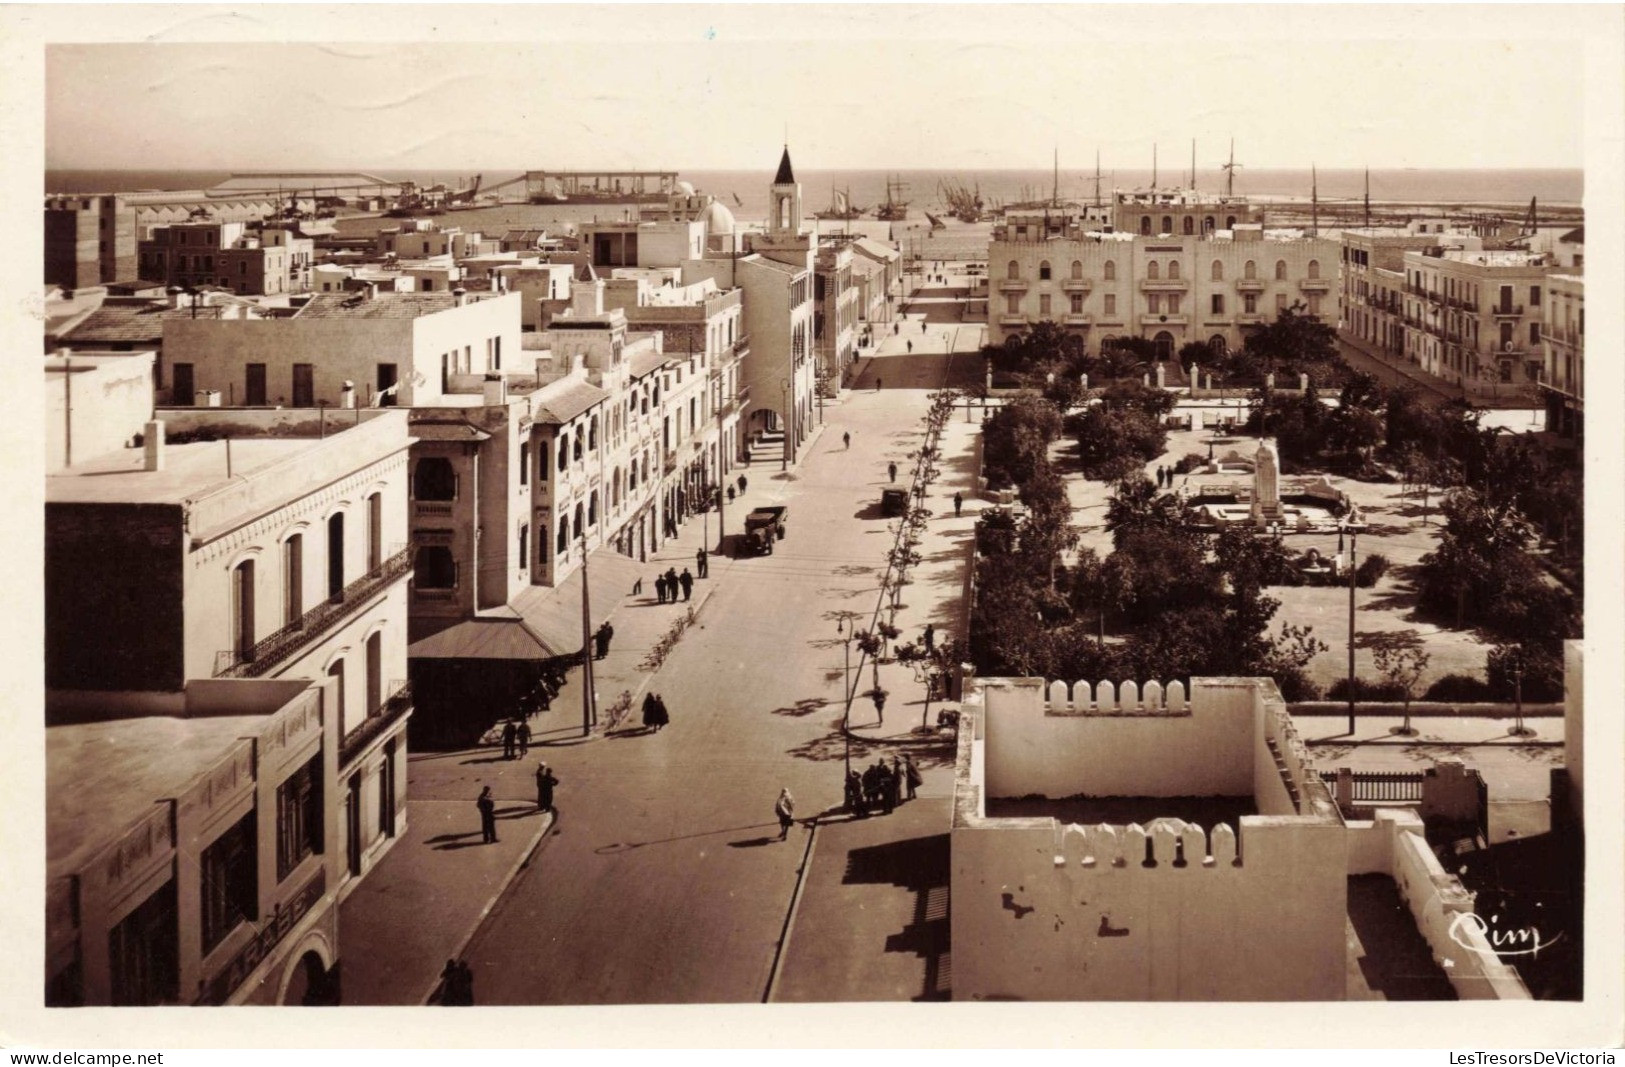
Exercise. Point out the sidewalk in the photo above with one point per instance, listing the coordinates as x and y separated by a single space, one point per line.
1332 729
423 901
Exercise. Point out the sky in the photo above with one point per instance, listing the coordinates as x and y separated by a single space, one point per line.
857 86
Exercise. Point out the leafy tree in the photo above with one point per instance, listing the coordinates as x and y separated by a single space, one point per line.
1542 665
1481 553
1294 343
1043 347
1108 434
1134 395
1015 441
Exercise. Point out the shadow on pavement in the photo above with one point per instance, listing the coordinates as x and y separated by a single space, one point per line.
919 865
627 846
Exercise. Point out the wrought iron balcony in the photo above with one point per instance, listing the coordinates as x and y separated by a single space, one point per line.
1076 284
1506 310
1315 284
273 651
1157 285
1012 284
1250 285
389 711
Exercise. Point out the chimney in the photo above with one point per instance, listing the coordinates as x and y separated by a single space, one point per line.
347 395
496 390
174 293
460 295
152 443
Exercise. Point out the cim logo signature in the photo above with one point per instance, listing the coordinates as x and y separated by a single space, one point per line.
1504 942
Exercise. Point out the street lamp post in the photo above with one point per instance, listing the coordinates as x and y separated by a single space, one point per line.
1518 727
1353 531
784 407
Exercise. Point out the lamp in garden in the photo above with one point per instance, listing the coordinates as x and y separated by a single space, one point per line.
1518 727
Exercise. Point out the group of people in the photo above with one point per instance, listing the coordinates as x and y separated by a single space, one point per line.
600 640
516 737
486 804
882 787
670 584
1165 477
456 985
654 711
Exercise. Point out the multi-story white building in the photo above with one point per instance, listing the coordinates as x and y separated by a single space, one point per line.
1563 346
226 705
1172 290
1372 295
351 349
1473 316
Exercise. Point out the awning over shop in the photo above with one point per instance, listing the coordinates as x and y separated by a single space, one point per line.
482 638
555 614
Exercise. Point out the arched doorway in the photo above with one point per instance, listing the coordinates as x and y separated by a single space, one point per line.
311 984
1165 345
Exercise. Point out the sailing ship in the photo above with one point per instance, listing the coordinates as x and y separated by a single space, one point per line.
894 209
841 207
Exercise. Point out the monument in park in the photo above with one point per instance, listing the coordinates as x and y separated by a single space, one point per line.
1266 486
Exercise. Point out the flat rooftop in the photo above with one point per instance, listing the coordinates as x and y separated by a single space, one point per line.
189 471
1206 812
100 777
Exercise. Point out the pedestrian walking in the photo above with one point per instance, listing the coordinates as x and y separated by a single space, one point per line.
910 347
878 381
465 985
637 586
662 716
509 735
671 584
911 775
930 637
743 481
922 325
601 640
959 502
899 779
545 781
522 735
488 816
854 795
894 329
730 494
649 718
891 470
702 563
871 787
847 439
449 983
660 588
785 809
687 581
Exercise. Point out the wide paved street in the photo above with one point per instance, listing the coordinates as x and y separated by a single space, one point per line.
664 879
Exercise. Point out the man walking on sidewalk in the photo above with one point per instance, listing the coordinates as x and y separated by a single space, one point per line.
891 469
522 735
959 502
785 809
545 781
510 734
687 581
488 816
743 481
702 563
847 438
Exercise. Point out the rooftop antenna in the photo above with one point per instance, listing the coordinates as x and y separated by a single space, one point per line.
1230 171
1314 201
1193 164
1055 190
1153 166
1368 197
1097 177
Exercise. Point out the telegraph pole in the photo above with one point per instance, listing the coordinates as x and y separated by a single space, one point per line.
589 698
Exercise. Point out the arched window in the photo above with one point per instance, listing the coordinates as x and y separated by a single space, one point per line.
1190 225
1153 270
1013 271
1229 222
645 400
1217 345
1109 272
1167 224
575 533
564 450
592 509
1077 268
242 609
434 479
1218 270
1165 345
592 434
1250 271
1314 269
1173 270
1145 225
576 452
563 542
435 568
646 466
1207 224
1043 271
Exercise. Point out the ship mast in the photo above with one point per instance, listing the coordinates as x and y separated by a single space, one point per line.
1314 201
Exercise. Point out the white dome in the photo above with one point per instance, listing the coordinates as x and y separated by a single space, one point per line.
686 188
717 218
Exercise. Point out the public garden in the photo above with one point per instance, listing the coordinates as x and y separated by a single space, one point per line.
1131 548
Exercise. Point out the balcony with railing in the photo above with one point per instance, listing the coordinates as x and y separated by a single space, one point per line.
1012 284
1503 311
392 709
1076 285
1315 285
736 403
1164 319
1250 285
267 655
1013 319
1078 319
1164 285
432 507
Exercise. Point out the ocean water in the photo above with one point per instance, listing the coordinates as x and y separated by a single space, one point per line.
1556 186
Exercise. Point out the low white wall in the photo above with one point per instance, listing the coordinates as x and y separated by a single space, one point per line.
1118 745
1042 913
1438 903
1369 848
